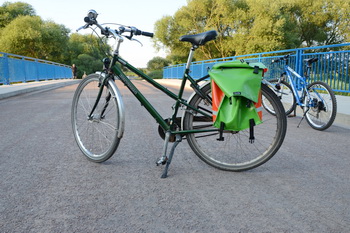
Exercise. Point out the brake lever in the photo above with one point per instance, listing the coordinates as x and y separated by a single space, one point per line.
137 41
83 27
133 39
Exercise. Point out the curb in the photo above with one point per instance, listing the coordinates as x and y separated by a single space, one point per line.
24 88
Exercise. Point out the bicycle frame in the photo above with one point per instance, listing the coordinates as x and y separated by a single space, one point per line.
293 81
302 80
179 101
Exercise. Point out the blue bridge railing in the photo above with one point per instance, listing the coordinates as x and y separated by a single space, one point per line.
15 68
332 67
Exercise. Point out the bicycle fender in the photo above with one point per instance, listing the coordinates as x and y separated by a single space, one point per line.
121 108
189 100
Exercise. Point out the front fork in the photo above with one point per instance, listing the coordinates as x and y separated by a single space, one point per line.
103 82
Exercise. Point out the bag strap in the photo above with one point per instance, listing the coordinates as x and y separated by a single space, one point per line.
251 131
222 127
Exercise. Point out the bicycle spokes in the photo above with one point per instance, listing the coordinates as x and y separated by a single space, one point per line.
322 106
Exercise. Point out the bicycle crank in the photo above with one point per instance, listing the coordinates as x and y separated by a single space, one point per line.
172 136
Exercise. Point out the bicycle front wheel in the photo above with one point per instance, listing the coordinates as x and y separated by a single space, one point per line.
321 106
235 152
97 135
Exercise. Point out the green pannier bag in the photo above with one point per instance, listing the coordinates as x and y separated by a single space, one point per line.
236 91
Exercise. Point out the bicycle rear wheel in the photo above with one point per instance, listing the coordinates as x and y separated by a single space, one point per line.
284 92
322 106
97 136
236 153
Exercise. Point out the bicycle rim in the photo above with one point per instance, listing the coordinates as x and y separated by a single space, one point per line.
96 137
285 93
236 153
322 106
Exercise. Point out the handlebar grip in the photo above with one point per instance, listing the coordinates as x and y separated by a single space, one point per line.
149 34
139 32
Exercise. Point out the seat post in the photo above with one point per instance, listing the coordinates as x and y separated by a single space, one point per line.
190 57
308 69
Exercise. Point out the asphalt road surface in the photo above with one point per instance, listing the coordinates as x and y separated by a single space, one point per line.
47 185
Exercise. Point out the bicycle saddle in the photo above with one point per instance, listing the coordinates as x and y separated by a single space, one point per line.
201 38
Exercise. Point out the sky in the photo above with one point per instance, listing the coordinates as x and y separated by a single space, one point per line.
141 14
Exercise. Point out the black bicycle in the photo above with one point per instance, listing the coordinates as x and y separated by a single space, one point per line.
98 113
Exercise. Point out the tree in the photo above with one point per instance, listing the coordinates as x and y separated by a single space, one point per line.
198 16
10 11
87 64
54 41
33 37
87 44
155 67
86 52
251 26
157 63
259 27
242 26
24 33
318 22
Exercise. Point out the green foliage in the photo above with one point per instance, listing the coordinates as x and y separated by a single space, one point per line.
87 64
155 67
23 33
157 63
251 26
84 51
10 11
33 37
317 22
156 74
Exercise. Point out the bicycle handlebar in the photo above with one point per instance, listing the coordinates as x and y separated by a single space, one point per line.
90 20
134 31
284 58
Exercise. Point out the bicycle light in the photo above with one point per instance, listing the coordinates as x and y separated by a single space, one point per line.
106 61
92 14
264 71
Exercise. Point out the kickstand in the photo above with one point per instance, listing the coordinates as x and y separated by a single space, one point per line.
303 117
168 161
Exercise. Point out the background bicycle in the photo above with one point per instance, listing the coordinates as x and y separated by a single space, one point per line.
98 113
316 98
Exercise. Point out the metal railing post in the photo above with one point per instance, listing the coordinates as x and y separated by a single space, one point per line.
6 71
22 67
36 69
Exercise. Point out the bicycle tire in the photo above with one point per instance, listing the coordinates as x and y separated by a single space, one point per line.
98 137
321 116
235 153
285 94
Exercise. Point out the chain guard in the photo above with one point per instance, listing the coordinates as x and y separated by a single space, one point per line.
172 136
